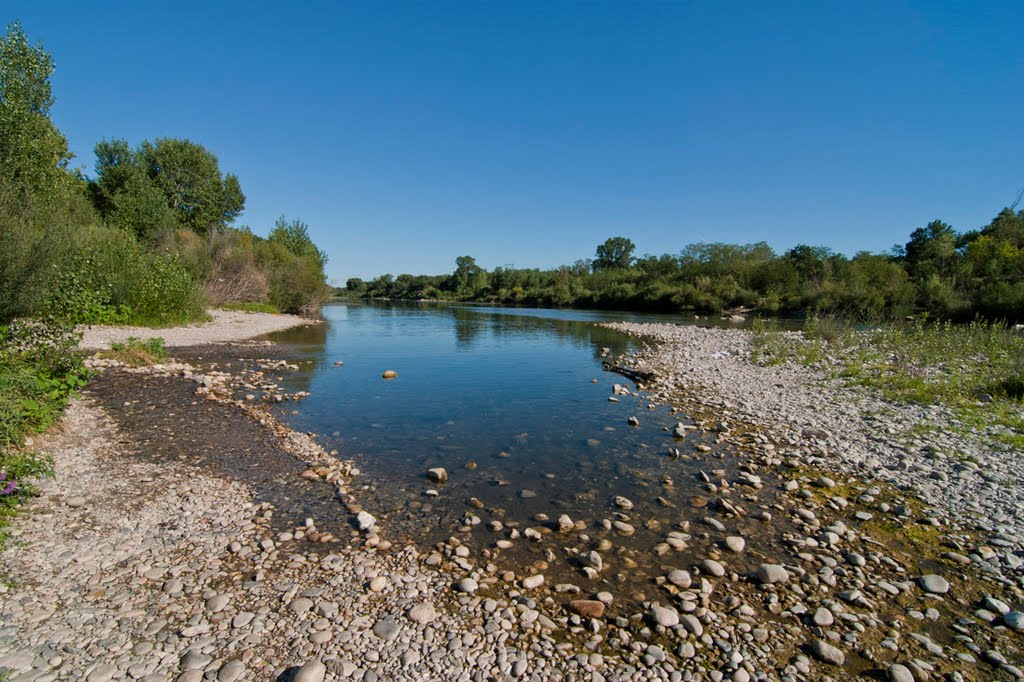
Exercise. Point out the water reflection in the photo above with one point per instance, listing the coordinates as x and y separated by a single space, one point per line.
515 406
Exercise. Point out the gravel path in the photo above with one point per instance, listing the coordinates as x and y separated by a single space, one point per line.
226 325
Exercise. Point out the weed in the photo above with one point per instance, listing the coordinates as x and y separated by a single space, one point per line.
249 307
137 352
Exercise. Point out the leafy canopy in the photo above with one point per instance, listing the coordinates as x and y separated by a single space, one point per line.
33 153
615 253
165 183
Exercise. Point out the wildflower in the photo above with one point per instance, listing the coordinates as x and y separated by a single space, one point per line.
10 487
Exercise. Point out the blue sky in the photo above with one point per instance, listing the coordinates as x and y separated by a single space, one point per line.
406 134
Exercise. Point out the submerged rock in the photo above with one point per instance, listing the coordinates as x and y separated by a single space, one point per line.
365 520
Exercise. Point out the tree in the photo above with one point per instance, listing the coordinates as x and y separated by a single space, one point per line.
616 252
932 250
189 176
468 278
33 153
1007 227
294 236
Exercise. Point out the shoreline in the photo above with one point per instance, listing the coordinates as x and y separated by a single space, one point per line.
361 609
223 327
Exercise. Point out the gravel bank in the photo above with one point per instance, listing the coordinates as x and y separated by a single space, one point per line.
141 562
225 325
965 477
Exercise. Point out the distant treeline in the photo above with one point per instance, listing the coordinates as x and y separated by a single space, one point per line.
149 239
939 271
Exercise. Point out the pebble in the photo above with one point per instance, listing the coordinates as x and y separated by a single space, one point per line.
1014 620
533 582
422 613
899 673
827 653
230 671
311 671
365 520
823 617
934 584
771 574
735 544
712 568
665 616
588 608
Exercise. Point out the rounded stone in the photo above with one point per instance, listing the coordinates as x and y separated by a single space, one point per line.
899 673
770 574
712 568
311 671
422 613
827 653
735 543
230 671
934 584
680 578
665 616
533 582
1014 620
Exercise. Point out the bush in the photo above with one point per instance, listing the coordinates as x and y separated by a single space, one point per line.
109 278
39 371
165 294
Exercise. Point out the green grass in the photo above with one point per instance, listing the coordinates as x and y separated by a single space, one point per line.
976 369
250 307
136 352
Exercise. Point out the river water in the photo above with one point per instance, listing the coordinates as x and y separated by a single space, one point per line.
514 404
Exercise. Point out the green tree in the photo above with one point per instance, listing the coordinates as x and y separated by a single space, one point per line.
33 153
189 175
616 252
931 251
294 236
468 279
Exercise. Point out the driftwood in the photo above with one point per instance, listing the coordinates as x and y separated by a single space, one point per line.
633 374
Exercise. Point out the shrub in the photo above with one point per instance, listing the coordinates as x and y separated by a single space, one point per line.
39 371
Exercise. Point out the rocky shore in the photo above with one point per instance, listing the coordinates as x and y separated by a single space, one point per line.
223 326
157 554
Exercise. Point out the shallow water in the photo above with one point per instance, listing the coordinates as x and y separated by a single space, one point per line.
514 404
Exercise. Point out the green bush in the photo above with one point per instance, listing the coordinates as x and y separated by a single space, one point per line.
39 371
165 294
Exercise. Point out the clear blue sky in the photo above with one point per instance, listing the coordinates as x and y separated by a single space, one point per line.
406 134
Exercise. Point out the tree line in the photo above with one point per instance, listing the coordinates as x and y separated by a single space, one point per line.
938 270
150 238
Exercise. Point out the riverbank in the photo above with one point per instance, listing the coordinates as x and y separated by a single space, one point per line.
179 515
966 483
222 327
